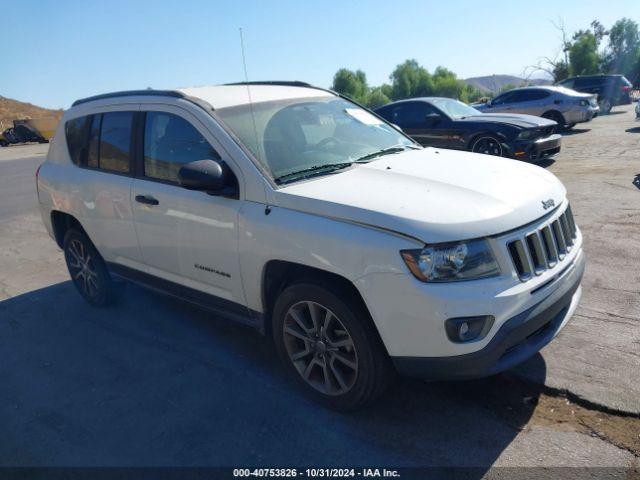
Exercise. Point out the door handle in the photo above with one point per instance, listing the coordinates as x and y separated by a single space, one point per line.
146 199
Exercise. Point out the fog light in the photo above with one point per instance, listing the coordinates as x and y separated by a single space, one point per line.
467 329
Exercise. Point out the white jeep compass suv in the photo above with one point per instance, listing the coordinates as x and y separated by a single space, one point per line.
292 209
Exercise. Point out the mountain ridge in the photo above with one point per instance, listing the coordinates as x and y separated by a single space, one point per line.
11 110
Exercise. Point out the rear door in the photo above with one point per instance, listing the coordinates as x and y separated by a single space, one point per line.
102 184
187 237
536 102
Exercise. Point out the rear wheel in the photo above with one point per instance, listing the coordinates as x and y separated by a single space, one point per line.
487 144
88 270
605 106
329 345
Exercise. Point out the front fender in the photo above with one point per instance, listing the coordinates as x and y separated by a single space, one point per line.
345 249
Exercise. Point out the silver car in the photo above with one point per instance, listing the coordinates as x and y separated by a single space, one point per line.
562 105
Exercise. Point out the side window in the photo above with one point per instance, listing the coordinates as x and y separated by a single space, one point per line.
115 141
170 142
502 99
94 141
581 82
386 113
411 114
568 83
520 96
538 94
76 133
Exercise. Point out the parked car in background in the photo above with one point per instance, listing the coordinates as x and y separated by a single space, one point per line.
638 110
291 209
564 106
611 90
447 123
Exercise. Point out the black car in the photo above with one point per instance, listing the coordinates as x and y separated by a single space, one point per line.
447 123
611 90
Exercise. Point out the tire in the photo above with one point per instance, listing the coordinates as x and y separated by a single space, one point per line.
605 106
487 144
345 366
88 270
556 117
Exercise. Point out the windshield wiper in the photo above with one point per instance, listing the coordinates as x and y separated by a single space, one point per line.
310 171
385 151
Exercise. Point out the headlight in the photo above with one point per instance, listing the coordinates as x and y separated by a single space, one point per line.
452 262
526 134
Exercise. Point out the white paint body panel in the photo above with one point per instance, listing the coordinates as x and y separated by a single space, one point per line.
353 223
433 195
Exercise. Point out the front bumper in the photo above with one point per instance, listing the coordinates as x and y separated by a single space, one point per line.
536 150
518 339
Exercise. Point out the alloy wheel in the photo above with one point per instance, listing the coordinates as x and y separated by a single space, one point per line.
488 146
320 348
82 268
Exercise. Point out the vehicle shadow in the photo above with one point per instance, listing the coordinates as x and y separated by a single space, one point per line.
574 131
633 130
153 381
545 162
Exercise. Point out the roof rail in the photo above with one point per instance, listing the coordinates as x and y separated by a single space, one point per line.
284 83
131 93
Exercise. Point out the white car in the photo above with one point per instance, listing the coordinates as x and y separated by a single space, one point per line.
289 208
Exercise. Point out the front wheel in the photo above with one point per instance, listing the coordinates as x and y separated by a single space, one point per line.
88 270
329 346
488 145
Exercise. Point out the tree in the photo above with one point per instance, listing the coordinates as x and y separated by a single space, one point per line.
506 88
557 68
623 50
409 79
352 84
583 54
377 98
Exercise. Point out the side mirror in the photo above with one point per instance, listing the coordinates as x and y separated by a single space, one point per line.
209 176
489 103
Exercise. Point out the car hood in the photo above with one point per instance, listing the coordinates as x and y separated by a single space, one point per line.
429 194
514 119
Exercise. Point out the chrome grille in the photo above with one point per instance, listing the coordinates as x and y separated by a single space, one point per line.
538 251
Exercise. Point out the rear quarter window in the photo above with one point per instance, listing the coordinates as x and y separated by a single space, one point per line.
76 133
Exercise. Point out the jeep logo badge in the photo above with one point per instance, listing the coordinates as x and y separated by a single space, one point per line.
548 204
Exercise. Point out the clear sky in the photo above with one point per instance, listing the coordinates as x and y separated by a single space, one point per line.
57 51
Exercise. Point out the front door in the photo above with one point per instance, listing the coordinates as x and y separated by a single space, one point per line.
423 123
186 237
